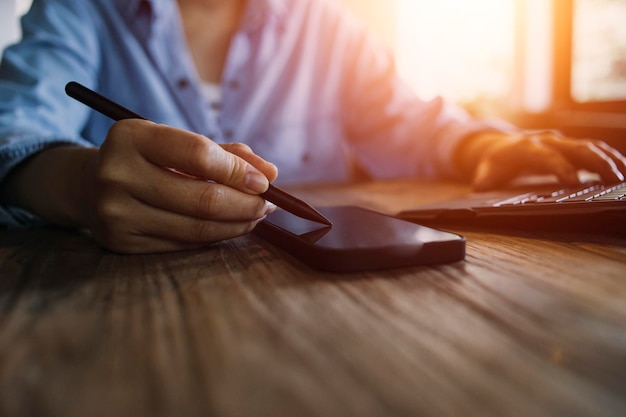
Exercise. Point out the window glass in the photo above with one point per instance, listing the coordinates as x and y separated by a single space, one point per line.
461 50
599 50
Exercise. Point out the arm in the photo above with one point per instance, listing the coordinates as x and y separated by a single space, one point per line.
59 43
148 187
396 134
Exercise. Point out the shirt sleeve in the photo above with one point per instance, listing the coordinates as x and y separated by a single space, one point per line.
59 44
393 133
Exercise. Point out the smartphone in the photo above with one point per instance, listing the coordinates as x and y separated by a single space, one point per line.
360 240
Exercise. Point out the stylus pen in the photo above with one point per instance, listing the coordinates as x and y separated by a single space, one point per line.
117 112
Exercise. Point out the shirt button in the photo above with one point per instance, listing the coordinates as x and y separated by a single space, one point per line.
229 134
182 83
233 84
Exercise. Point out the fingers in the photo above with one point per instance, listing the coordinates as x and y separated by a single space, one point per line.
191 154
547 154
522 156
197 198
154 209
158 230
592 156
158 188
243 151
615 155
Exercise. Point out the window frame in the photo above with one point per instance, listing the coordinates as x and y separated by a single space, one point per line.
563 61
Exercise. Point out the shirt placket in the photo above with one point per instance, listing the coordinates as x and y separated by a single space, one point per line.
168 49
233 84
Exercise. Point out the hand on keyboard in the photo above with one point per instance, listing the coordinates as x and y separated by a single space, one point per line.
508 156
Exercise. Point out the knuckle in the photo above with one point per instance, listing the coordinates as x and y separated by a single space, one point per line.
209 199
199 149
108 212
585 146
112 170
120 131
226 166
260 207
240 148
236 171
232 174
107 176
117 130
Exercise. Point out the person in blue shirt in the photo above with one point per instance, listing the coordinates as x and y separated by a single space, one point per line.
229 86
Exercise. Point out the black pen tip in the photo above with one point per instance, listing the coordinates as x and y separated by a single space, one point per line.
317 216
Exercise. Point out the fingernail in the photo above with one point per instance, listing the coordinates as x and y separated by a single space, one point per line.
269 208
256 181
257 221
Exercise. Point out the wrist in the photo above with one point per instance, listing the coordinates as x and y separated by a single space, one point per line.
55 184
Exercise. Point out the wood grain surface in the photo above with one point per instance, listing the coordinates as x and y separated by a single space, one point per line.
527 325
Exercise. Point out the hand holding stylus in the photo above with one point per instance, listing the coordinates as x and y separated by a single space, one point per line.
273 194
152 194
157 188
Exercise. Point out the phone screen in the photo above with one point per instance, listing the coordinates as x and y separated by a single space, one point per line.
357 228
360 240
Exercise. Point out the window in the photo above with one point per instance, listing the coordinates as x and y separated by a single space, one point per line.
459 49
589 75
23 6
10 11
590 59
598 51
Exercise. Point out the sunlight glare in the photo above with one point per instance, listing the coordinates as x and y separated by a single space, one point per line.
458 49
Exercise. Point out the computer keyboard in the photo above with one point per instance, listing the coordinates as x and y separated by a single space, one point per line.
586 193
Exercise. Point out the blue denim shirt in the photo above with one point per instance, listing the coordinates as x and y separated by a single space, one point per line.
304 85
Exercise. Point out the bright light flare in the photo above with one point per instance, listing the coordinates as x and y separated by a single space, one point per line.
458 49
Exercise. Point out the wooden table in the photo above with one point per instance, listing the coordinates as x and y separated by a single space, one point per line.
525 326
